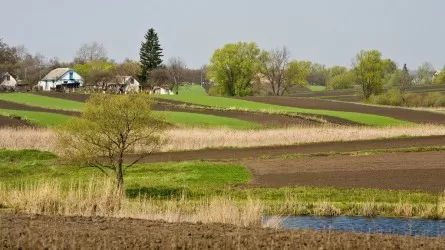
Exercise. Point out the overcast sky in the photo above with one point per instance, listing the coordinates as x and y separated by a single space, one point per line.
326 31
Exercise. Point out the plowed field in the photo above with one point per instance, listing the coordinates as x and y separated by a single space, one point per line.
398 113
44 232
423 171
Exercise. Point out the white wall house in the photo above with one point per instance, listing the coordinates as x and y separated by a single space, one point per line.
61 78
126 84
8 81
161 91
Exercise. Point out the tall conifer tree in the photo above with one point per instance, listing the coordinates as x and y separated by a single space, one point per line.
150 55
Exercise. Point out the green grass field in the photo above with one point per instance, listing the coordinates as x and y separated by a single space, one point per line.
317 88
192 90
41 101
201 180
367 119
200 120
43 119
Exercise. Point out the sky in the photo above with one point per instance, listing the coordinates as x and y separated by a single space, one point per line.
330 32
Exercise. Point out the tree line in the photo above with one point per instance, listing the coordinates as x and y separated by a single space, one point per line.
236 69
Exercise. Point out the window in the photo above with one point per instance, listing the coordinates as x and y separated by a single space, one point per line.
71 75
8 78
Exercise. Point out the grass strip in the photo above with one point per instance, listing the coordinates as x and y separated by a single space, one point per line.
42 101
222 102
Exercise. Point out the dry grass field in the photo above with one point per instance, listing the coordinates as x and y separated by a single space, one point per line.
197 138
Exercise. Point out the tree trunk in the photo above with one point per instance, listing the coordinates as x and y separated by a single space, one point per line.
120 179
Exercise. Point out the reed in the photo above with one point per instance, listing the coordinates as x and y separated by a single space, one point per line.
101 198
199 138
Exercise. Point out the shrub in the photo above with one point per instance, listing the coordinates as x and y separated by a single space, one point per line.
413 100
431 99
395 98
392 98
440 102
342 81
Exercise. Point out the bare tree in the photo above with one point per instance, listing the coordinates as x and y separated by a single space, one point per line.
8 58
273 66
159 77
129 68
91 52
175 70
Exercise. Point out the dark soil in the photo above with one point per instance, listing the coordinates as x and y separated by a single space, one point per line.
423 171
244 153
44 232
398 113
14 122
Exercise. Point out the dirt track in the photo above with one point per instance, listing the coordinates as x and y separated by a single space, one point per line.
399 171
8 122
243 153
398 113
43 232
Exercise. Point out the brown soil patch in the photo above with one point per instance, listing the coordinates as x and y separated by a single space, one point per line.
403 171
398 113
256 152
44 232
12 122
17 106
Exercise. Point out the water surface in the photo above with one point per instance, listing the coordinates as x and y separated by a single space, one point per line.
400 226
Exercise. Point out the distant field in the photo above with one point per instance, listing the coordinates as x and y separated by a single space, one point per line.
44 119
192 90
317 88
200 120
223 102
41 101
195 96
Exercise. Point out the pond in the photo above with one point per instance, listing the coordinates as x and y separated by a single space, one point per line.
379 225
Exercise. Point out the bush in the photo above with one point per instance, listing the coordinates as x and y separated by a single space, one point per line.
440 102
395 98
413 100
431 99
342 81
391 98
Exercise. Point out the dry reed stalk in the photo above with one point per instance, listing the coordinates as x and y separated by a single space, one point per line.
101 198
199 138
325 208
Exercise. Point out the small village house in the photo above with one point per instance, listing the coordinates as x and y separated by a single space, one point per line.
125 84
59 79
161 91
8 81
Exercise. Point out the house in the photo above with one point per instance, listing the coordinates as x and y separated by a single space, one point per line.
8 81
125 84
60 78
161 91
